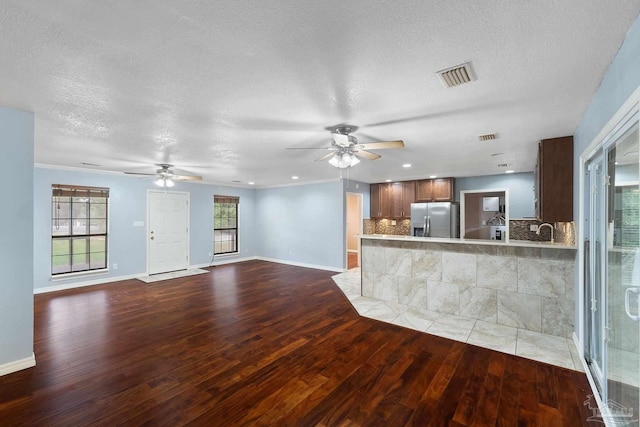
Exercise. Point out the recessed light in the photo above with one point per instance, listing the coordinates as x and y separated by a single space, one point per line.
387 180
432 176
509 171
294 177
251 182
406 165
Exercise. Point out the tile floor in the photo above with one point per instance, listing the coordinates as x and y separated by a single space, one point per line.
531 345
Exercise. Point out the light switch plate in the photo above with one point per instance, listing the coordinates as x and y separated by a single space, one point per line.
533 227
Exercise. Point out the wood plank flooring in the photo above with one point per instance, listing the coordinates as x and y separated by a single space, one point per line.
259 343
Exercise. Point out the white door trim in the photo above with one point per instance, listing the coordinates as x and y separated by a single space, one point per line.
360 197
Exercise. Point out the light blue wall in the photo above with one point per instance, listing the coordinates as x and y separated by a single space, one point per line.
16 241
302 224
127 204
520 185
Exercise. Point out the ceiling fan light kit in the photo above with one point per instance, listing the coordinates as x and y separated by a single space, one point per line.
343 160
164 182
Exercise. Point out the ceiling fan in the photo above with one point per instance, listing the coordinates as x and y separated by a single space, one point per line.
166 176
345 150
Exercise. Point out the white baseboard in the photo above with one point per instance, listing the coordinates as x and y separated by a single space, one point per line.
301 264
18 365
222 261
86 283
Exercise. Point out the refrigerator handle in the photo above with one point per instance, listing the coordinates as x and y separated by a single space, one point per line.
424 228
428 228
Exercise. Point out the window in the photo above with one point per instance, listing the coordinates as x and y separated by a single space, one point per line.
78 228
225 224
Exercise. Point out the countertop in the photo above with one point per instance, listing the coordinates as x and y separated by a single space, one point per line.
512 243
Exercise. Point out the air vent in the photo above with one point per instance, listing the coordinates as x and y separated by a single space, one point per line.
457 75
488 137
503 165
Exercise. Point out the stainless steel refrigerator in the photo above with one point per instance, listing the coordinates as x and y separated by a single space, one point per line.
435 219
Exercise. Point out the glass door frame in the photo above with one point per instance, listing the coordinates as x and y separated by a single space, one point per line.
622 121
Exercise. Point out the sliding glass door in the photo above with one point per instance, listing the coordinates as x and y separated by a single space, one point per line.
612 271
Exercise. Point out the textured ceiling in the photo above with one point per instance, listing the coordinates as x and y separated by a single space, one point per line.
222 88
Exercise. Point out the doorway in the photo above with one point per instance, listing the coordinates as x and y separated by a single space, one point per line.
354 228
611 266
168 232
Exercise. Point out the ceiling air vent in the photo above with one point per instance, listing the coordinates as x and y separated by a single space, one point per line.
503 165
457 75
488 137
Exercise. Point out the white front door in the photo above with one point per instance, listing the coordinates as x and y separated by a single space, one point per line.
168 238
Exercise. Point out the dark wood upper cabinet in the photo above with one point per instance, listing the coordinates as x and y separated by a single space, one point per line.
392 200
554 180
380 204
435 190
442 190
423 190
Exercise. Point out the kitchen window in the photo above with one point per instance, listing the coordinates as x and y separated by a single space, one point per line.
225 224
78 228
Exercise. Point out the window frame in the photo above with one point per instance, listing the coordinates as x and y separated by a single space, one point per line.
72 193
230 200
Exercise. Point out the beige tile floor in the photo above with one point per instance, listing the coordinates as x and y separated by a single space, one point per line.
531 345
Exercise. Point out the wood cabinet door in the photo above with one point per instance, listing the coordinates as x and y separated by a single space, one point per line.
374 200
423 190
555 180
408 197
396 200
385 200
442 190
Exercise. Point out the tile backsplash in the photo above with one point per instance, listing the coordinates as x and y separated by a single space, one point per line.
518 230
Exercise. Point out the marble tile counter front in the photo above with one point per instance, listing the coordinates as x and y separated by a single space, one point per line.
528 287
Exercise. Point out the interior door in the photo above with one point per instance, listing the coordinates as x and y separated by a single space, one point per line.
354 228
168 239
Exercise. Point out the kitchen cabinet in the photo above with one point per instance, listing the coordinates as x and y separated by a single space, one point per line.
380 200
392 200
402 195
435 190
553 180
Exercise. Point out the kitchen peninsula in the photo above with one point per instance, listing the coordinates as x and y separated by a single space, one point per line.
523 284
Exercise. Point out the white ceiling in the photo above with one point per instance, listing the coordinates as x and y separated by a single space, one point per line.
222 88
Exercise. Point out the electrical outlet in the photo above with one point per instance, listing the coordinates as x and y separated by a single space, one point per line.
210 253
115 266
290 252
533 227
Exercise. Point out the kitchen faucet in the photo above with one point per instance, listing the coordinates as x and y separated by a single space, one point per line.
548 225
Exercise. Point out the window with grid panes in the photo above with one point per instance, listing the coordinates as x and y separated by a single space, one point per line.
225 224
78 228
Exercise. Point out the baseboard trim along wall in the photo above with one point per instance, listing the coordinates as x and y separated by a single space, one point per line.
86 283
18 365
301 264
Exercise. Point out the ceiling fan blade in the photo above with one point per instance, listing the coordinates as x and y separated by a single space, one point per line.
325 157
186 177
382 144
367 155
340 139
139 173
310 148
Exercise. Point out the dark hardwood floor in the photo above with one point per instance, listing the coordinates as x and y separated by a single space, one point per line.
259 343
